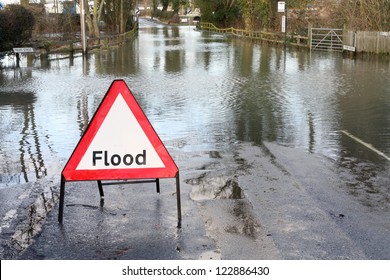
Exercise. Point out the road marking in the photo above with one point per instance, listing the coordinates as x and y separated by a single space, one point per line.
372 148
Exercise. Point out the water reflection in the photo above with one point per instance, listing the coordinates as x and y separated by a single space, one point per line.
201 91
17 113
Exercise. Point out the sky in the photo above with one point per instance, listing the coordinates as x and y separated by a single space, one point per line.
10 1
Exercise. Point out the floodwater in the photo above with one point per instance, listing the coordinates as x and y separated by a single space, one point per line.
201 92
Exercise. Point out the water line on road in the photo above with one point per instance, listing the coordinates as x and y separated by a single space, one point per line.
367 145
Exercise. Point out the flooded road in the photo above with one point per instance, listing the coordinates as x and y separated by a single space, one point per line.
207 94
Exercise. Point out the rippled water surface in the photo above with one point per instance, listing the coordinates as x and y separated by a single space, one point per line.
201 91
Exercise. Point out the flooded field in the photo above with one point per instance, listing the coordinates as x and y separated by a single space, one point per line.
205 89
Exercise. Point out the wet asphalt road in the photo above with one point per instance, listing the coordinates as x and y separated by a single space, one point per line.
269 202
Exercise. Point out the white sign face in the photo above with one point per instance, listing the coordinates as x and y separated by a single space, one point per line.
349 48
281 6
23 50
120 143
283 24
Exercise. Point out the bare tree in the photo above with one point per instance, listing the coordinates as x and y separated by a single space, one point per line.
94 19
116 12
362 14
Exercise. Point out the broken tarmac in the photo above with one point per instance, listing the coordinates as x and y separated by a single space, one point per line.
258 202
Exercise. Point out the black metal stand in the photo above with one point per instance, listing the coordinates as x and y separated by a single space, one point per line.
62 196
100 186
101 192
178 200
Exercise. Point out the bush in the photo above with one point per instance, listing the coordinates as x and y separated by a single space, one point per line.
16 25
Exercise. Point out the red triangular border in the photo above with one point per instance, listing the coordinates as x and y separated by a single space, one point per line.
71 174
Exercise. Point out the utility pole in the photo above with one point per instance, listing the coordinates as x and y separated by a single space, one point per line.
282 8
82 25
285 26
121 29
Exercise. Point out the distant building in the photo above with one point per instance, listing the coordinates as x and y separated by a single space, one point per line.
69 7
51 6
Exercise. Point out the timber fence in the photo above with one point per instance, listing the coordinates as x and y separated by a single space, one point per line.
112 40
105 41
296 40
369 41
362 41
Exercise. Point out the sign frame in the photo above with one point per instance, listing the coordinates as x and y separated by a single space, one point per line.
121 175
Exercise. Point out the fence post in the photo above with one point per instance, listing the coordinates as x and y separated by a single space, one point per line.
377 42
309 35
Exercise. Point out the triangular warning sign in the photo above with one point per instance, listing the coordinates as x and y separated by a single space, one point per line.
119 143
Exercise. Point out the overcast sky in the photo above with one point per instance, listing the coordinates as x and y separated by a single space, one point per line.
10 1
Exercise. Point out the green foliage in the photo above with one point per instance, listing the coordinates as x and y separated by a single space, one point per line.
224 13
264 9
175 5
16 25
252 14
207 9
251 11
227 16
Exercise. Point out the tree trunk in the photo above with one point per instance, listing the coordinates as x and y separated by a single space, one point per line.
92 22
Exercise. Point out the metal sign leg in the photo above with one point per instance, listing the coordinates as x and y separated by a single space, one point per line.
178 200
62 197
100 185
158 185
